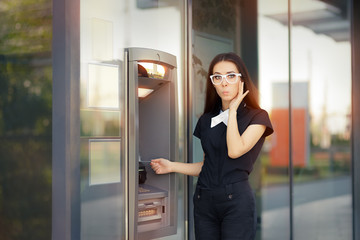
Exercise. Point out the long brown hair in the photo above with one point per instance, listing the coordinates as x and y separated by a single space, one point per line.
213 101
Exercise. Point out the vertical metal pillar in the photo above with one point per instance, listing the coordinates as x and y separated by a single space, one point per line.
249 38
291 172
66 120
355 51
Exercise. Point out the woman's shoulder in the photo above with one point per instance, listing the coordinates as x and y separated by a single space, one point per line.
260 116
250 112
202 123
259 112
206 116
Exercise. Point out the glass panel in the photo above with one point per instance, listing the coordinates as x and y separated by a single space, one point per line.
107 28
104 162
233 28
321 96
102 154
210 36
273 87
25 119
100 95
101 127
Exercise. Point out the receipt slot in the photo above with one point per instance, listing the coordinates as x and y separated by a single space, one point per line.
152 133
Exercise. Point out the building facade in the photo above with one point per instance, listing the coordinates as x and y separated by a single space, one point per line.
91 91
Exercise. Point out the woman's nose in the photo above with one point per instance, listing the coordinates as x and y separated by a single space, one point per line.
224 82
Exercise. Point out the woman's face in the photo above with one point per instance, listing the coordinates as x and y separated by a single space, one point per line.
226 91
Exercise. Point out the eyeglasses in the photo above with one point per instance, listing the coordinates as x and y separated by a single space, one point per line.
231 78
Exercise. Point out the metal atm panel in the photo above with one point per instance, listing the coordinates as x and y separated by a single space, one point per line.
152 133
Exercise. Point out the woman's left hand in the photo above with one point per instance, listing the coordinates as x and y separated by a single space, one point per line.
234 104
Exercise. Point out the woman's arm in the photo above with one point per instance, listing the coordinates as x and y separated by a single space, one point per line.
163 166
238 144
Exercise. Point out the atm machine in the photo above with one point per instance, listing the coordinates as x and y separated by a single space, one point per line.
128 117
152 133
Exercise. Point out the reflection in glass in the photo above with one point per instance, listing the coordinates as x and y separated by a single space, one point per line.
322 186
320 124
96 123
25 119
273 88
103 86
279 155
102 39
104 161
101 128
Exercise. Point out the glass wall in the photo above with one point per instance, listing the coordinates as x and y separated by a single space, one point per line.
302 179
108 28
232 27
273 87
320 112
25 119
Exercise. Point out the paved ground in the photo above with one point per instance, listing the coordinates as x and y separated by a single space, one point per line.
323 211
278 196
328 219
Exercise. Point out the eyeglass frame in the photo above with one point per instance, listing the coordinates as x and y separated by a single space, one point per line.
224 76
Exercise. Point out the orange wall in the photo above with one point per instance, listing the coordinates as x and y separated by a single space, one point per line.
279 155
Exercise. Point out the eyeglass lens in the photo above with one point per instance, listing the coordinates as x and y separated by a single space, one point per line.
230 78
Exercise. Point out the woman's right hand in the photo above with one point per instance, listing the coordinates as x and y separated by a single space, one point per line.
161 166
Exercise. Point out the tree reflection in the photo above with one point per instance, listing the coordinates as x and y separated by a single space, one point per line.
25 119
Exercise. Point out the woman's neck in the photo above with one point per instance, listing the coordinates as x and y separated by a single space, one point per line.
225 105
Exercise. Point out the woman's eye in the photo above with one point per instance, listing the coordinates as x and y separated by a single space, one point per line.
231 75
218 77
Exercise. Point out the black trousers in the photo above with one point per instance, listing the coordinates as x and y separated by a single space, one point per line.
225 213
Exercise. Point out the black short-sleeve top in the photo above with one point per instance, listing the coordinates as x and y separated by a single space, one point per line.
219 169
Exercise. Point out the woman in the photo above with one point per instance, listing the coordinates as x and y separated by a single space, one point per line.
232 131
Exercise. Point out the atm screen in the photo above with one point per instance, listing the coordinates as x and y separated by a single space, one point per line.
152 70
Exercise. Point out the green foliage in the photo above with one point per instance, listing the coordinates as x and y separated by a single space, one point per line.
25 119
26 26
25 96
25 195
